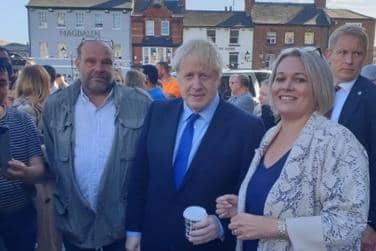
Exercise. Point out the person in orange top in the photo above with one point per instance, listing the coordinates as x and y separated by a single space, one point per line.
170 86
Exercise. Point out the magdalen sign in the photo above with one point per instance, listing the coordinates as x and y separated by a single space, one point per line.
80 33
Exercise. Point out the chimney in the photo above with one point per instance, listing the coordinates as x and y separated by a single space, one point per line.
248 5
320 4
181 3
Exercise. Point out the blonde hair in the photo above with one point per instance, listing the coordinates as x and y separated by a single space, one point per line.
318 73
203 50
33 84
349 29
118 73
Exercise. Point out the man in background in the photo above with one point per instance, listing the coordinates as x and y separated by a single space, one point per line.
240 95
354 103
169 83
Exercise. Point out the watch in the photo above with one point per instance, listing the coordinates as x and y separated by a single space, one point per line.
281 228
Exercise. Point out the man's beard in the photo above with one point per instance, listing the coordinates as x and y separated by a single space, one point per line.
97 87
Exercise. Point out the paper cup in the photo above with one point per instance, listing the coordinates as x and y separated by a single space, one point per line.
192 215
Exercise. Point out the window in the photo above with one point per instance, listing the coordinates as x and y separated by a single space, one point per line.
289 37
233 60
269 59
117 51
153 55
61 19
116 21
145 52
234 36
309 38
98 21
271 37
79 20
43 49
62 51
149 28
42 19
165 28
211 35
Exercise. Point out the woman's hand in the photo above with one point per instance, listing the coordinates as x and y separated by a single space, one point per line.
227 206
250 227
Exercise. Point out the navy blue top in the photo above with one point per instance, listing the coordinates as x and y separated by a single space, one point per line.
258 189
157 94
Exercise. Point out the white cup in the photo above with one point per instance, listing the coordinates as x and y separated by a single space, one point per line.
192 215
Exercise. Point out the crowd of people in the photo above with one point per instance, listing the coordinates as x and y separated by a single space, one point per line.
111 161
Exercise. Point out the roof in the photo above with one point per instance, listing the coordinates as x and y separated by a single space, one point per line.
158 42
348 14
193 18
289 13
172 5
81 4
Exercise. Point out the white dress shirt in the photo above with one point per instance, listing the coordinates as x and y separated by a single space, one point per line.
94 134
340 99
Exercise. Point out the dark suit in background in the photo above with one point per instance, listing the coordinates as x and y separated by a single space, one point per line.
155 205
359 116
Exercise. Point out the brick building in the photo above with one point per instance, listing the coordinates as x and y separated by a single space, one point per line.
282 25
231 31
157 29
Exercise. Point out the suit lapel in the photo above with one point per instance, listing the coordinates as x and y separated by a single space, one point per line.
351 103
171 120
208 143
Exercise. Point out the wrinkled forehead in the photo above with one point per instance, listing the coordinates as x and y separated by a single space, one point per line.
350 41
193 61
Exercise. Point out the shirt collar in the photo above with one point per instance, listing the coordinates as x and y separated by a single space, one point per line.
346 86
207 113
84 98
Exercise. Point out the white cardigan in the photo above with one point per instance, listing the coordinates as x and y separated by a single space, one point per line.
322 191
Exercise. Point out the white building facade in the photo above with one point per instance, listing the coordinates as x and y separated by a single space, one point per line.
231 31
56 29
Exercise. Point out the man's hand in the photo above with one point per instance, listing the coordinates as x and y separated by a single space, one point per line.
133 243
30 174
205 231
227 206
369 239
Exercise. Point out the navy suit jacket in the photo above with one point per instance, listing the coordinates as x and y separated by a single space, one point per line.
155 206
359 116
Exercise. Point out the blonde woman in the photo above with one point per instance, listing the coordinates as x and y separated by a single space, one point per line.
308 185
32 89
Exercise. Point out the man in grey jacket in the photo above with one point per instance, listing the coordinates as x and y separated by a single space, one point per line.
240 95
91 130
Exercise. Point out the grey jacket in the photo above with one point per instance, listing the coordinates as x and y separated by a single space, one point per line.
79 224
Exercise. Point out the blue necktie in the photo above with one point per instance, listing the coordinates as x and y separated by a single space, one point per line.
185 146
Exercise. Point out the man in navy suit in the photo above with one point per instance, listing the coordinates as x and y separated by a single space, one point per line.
191 151
354 104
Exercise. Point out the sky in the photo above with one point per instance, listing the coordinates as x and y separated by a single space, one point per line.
13 18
